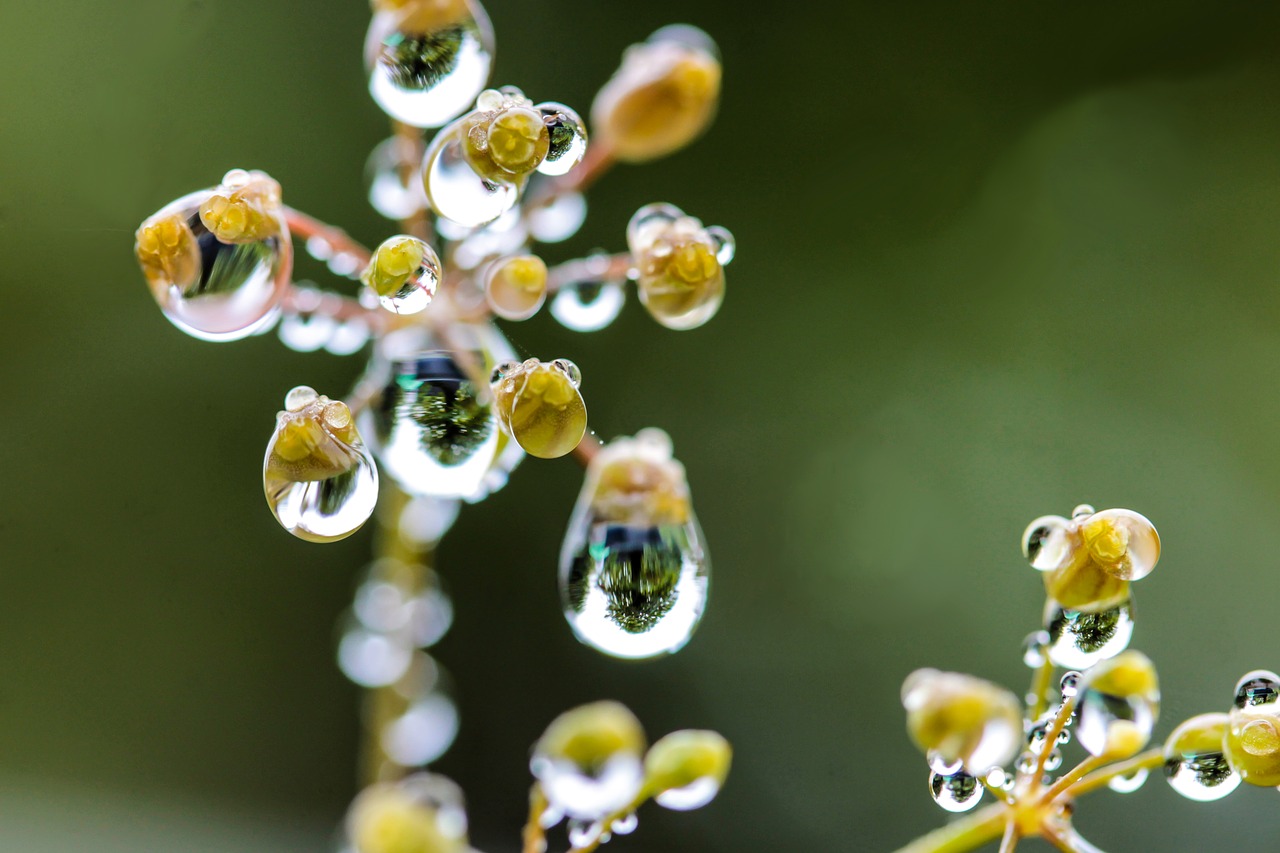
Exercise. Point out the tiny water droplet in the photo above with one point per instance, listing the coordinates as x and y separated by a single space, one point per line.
1069 684
1260 687
428 61
957 792
1080 638
1054 761
626 824
588 307
1129 783
1048 543
1033 649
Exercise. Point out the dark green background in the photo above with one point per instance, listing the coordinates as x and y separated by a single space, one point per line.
994 259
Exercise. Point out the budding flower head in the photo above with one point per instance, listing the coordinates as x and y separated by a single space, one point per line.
1090 558
962 718
245 208
508 137
539 405
404 271
1118 705
662 98
589 760
516 287
680 264
685 770
1252 742
421 814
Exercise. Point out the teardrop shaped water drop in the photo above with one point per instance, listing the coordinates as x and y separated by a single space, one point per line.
1048 543
428 61
634 571
1194 762
455 190
956 792
319 479
208 288
1081 638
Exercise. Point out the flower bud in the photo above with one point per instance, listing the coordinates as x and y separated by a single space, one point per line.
421 814
685 770
516 287
962 718
680 264
589 760
1194 763
1252 741
1089 559
1118 705
539 405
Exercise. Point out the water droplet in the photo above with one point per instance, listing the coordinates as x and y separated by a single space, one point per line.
938 763
1080 638
1048 542
385 172
426 519
1037 736
428 61
1124 543
626 824
348 338
1260 687
1069 684
998 778
428 422
1033 649
210 289
568 139
1082 510
1130 783
540 407
634 572
454 189
320 481
404 271
1195 764
681 280
957 792
302 333
558 218
588 307
1098 712
1053 761
581 832
371 658
423 733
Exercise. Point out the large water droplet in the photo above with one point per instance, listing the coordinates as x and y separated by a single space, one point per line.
431 428
956 792
319 479
1260 687
209 289
455 190
1048 542
589 793
1097 712
1081 638
428 61
1194 762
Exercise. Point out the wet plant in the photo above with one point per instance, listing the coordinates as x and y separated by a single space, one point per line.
445 410
982 742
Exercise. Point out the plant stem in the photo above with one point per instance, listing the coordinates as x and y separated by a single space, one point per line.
968 833
1040 688
306 227
1051 738
1149 760
1010 840
535 837
593 269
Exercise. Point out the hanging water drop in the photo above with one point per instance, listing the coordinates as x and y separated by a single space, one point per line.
1048 543
219 261
626 824
1127 784
539 405
1194 762
454 189
428 59
320 481
568 139
634 572
1081 638
404 271
590 760
588 307
957 792
1118 705
1069 684
685 770
681 277
1034 649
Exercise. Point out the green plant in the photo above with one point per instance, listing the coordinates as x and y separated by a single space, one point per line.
979 738
445 411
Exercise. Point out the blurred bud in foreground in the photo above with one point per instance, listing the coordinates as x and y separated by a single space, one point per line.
686 769
590 760
960 718
422 813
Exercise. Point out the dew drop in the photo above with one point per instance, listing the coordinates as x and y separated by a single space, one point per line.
1048 542
939 764
1194 762
1033 649
1097 712
371 658
389 193
1053 761
1079 638
428 62
588 307
581 832
957 792
454 189
423 733
213 290
1069 684
626 824
1260 687
404 272
1129 783
568 139
558 218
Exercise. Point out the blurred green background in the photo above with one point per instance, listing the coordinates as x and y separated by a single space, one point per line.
995 259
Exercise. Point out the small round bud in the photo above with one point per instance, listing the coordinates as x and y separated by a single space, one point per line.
421 814
685 770
404 272
680 264
662 97
539 405
589 760
1252 742
1194 763
245 209
516 287
962 718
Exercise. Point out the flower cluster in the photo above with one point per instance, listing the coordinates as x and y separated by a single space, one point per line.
979 738
445 409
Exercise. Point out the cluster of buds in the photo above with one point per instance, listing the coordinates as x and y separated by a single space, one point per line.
445 410
979 738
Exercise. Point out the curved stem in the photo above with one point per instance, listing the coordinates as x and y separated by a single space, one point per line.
339 241
968 833
535 838
594 269
1149 760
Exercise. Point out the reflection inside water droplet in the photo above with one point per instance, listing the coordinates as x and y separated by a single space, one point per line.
956 792
1081 638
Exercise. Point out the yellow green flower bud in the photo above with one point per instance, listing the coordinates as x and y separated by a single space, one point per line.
686 769
1118 705
962 718
1194 763
539 405
589 760
1090 559
681 276
662 98
246 208
592 734
1252 742
407 817
516 287
508 141
168 252
405 272
636 481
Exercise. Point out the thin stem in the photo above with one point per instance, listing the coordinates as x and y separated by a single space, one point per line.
1051 738
1010 840
968 833
535 837
1149 760
306 226
600 268
1073 776
1040 684
300 299
587 449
